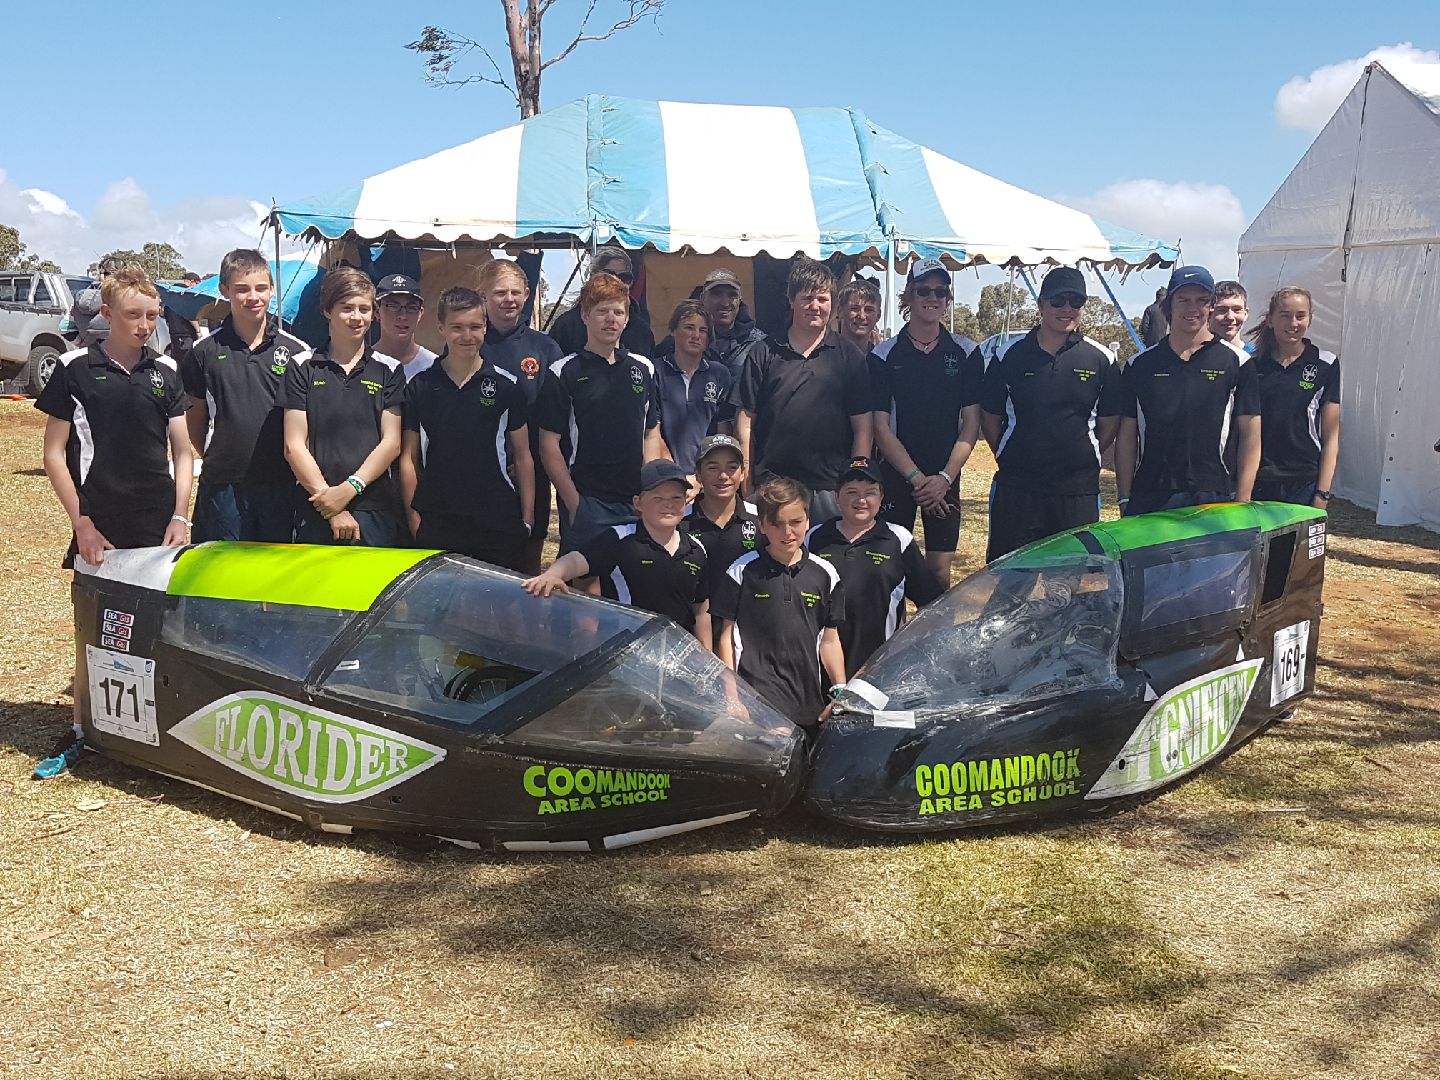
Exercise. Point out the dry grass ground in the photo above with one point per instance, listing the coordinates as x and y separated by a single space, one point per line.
1276 917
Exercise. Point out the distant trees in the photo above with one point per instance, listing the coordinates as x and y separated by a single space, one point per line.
14 256
160 261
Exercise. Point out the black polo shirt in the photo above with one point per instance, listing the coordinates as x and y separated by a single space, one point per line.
1051 405
924 393
635 570
880 568
780 614
1290 402
724 544
802 408
524 352
118 452
242 391
343 415
463 448
1185 410
604 410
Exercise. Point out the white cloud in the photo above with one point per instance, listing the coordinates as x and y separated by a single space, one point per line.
201 229
1308 101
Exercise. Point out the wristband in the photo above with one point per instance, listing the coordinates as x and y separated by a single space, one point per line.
949 480
529 529
181 518
837 690
356 483
911 478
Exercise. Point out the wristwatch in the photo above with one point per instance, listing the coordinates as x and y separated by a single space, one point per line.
1322 495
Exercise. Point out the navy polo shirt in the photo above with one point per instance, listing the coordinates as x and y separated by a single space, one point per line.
880 568
118 452
463 450
524 352
1290 402
802 408
1051 404
243 392
342 414
604 410
636 570
691 406
780 615
925 393
1185 410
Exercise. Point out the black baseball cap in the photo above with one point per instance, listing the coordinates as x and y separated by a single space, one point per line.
862 468
398 285
1063 279
661 471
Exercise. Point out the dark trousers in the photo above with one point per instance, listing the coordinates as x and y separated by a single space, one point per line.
1019 516
261 512
1300 492
473 537
378 528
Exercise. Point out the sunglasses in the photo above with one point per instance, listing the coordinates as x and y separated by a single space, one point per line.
624 275
940 292
1067 300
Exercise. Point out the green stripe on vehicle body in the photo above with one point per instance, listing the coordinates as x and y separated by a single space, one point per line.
308 575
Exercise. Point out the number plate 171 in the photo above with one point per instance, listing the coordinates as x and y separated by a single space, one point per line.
122 695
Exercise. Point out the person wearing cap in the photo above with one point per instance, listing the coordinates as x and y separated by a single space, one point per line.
733 331
804 397
926 392
651 564
513 345
569 329
719 516
858 306
1050 406
398 306
235 376
879 563
694 392
1179 401
599 415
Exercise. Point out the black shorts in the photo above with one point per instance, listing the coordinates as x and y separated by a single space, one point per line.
133 529
942 534
475 538
1019 516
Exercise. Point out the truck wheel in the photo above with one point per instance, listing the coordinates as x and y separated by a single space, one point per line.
42 363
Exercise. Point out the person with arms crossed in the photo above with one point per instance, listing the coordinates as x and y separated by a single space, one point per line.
235 377
1050 408
113 410
1179 401
342 425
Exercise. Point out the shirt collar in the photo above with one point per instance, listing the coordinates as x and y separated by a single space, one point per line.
231 337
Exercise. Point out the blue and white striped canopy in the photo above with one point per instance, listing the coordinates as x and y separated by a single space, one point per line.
819 181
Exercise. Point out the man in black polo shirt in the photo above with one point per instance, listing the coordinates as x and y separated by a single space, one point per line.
650 564
1050 407
926 383
879 562
1179 402
603 402
804 397
779 609
234 376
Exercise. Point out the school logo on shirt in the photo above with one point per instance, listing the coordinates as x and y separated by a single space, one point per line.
712 393
488 390
1083 374
637 380
157 383
530 366
952 365
1211 373
1309 377
747 534
373 386
811 598
279 360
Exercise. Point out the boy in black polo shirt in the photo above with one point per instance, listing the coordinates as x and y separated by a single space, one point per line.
113 411
879 562
603 401
342 425
459 415
779 609
727 525
651 564
1179 401
1050 407
927 414
235 377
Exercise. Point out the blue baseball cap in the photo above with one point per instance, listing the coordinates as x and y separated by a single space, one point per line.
1190 275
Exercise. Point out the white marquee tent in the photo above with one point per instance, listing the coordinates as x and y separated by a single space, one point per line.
1357 222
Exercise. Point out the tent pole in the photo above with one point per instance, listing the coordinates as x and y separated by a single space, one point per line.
1025 277
563 290
892 274
1009 297
279 280
1140 345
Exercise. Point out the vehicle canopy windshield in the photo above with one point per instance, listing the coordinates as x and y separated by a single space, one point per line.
1010 634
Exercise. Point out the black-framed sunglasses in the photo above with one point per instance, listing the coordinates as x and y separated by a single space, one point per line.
624 275
1067 299
940 292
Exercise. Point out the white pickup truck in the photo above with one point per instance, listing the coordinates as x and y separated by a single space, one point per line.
32 307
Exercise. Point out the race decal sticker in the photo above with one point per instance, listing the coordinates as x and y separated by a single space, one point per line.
122 694
115 630
558 789
1287 676
1185 728
1316 539
306 751
993 783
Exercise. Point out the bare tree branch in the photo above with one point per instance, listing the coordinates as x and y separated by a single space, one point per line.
444 49
639 10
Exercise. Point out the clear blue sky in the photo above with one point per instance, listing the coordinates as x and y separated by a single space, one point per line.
267 99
